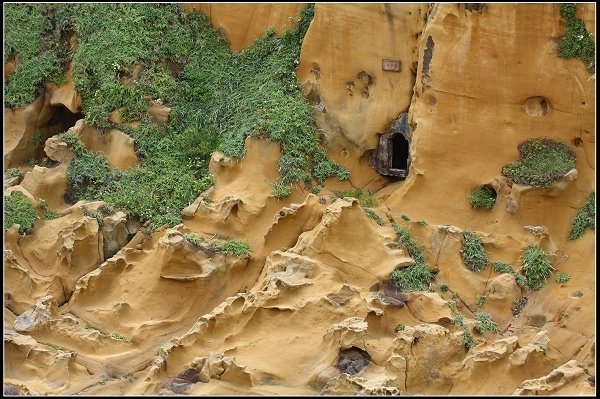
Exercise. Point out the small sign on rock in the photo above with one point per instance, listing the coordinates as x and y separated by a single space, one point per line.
391 65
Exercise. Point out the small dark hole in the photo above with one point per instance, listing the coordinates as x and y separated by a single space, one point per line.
578 142
583 103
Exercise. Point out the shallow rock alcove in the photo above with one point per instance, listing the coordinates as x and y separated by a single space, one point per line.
352 360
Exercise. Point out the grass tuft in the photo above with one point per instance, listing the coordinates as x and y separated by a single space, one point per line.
536 266
585 218
17 210
473 252
484 197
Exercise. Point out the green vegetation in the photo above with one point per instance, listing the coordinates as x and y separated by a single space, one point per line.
518 305
480 300
405 218
444 288
585 218
281 189
544 348
473 252
17 210
119 337
485 323
231 247
47 213
33 39
13 172
129 54
484 197
543 162
562 277
501 267
415 277
192 238
373 215
459 320
536 266
399 327
577 42
58 348
422 223
364 197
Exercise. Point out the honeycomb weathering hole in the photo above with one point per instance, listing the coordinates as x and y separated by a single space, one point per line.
537 106
352 360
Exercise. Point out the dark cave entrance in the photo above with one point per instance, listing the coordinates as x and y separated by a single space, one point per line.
62 118
399 152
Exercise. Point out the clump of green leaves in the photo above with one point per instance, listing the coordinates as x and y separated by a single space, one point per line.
485 323
543 162
422 223
119 337
518 305
13 172
536 266
577 42
364 197
585 218
415 277
484 197
473 252
480 300
192 238
47 213
399 327
373 215
562 277
34 40
231 247
468 341
444 288
281 189
17 210
501 267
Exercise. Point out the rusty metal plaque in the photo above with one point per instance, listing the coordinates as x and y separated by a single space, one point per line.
391 65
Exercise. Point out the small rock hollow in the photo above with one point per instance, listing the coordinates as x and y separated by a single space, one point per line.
352 360
537 106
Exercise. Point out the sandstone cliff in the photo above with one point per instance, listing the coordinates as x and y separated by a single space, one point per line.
96 304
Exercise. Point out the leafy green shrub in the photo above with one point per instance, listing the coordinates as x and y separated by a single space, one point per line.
119 337
562 277
17 210
415 277
501 267
468 341
399 327
364 197
32 38
281 189
422 223
484 197
444 288
13 172
231 247
585 218
373 215
192 238
485 323
536 266
473 252
543 162
577 42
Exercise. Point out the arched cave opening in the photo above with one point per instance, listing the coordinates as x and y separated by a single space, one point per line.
399 152
62 118
352 360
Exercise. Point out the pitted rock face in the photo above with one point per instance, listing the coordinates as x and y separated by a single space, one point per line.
352 360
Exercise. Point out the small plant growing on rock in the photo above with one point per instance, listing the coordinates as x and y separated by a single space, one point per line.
585 218
562 277
483 198
501 267
485 323
17 210
119 337
415 277
543 162
373 215
281 189
399 327
364 197
13 172
536 266
473 252
231 247
577 42
193 239
468 341
443 288
480 300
